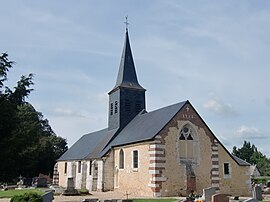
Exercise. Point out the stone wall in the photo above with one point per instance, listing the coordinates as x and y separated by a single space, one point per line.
134 181
238 181
176 175
100 175
184 175
89 177
108 175
62 175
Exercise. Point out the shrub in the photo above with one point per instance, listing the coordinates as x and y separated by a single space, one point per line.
27 197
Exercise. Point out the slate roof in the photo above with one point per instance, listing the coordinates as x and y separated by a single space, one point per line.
127 76
88 146
241 162
145 126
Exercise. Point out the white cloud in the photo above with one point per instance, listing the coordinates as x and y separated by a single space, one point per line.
218 106
68 113
249 132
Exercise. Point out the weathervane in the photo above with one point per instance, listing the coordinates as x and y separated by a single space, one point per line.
126 23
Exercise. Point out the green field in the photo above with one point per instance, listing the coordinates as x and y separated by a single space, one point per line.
10 193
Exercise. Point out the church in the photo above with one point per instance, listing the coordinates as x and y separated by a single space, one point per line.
166 152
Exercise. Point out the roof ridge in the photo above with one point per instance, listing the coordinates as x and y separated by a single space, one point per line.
162 108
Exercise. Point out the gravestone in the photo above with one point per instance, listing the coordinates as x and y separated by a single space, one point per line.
251 200
257 193
208 193
267 184
70 188
90 200
41 182
220 198
27 182
47 197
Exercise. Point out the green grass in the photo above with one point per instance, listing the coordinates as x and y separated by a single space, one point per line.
10 193
153 200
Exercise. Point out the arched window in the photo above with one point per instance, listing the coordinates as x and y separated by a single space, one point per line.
121 159
186 143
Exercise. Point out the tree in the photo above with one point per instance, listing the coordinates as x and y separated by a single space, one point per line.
262 162
28 144
251 154
245 152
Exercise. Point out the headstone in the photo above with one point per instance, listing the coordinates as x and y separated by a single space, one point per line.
27 182
251 200
90 200
47 197
208 193
220 198
268 184
70 188
41 182
257 193
266 190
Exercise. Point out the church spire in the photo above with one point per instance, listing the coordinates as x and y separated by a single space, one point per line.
127 76
127 98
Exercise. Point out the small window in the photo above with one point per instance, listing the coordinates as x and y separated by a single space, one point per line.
90 168
111 109
115 107
65 170
138 106
79 166
121 159
226 169
135 159
127 105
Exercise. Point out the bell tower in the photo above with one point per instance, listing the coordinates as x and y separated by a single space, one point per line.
127 98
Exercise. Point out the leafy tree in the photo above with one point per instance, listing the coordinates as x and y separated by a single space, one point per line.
262 162
251 154
28 145
245 152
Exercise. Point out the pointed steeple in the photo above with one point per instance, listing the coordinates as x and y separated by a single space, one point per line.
127 76
127 98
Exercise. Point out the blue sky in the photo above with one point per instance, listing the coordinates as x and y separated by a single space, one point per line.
213 53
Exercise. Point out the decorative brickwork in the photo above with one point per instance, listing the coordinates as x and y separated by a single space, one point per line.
215 179
157 165
55 175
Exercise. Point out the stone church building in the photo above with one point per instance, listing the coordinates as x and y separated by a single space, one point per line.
167 152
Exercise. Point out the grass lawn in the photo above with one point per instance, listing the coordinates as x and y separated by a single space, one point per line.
153 200
10 193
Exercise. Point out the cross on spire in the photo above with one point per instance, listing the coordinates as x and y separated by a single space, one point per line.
126 23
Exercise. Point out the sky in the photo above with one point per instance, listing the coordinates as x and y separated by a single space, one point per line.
216 54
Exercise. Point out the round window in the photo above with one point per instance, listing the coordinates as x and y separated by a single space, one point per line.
185 129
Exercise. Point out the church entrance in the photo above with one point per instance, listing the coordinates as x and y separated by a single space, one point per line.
191 179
